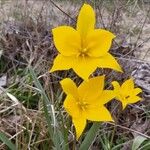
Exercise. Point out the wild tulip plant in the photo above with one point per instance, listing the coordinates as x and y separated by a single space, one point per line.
84 49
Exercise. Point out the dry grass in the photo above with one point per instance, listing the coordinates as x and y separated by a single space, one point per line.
26 41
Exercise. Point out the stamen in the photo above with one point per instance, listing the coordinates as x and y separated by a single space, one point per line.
82 105
84 50
127 96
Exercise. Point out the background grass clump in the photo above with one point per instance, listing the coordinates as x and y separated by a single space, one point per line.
31 112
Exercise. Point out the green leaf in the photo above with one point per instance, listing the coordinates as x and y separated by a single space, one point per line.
54 132
4 139
90 137
137 142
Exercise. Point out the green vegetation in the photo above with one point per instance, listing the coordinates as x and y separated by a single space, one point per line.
31 111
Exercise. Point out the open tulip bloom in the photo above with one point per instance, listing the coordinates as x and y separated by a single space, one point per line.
126 93
86 102
83 49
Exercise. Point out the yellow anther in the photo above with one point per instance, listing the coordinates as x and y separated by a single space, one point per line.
84 50
82 105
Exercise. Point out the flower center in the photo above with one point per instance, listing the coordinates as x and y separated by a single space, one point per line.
82 105
127 96
82 52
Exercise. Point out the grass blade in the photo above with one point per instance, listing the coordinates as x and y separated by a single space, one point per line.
90 137
4 139
46 101
55 134
137 142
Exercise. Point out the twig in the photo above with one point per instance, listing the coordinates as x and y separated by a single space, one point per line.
62 10
131 130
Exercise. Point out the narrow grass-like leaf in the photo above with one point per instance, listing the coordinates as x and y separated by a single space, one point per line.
85 145
137 142
56 135
4 139
46 101
145 147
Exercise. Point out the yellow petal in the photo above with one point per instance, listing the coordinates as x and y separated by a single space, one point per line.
98 113
86 20
130 100
137 91
106 96
91 89
70 105
69 87
117 90
108 61
133 99
124 104
116 85
85 66
79 124
98 42
61 63
67 40
128 85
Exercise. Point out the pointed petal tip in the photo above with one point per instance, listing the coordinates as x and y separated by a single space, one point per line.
112 120
77 137
86 5
112 35
124 106
51 70
119 69
140 90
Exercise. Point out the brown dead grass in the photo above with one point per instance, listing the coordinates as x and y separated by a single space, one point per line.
26 40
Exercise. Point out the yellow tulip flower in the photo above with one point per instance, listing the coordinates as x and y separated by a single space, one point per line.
86 102
126 93
83 49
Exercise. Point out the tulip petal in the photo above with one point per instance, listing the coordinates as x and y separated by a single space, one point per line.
91 89
78 64
79 124
85 66
61 63
98 42
128 84
133 99
98 113
130 100
69 87
124 104
70 105
137 91
67 40
106 96
86 20
116 85
108 61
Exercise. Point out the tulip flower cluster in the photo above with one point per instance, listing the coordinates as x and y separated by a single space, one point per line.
84 49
